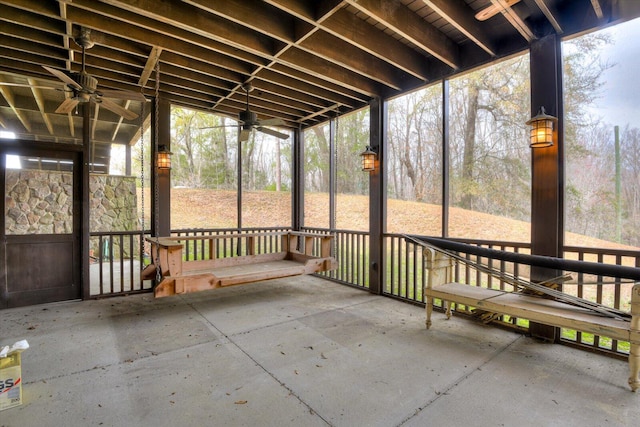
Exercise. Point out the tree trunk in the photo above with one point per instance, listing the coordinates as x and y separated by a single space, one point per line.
278 167
466 201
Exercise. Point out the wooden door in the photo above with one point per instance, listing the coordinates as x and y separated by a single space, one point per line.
41 228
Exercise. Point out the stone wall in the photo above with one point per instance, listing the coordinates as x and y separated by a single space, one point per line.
113 203
41 202
38 202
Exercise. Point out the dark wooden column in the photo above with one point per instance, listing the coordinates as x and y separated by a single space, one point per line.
85 211
160 202
377 199
547 172
297 189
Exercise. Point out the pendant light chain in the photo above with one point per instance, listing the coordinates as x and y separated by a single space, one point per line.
155 146
142 242
155 175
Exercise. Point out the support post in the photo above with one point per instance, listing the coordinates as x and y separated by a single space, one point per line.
85 221
547 173
377 196
160 202
297 190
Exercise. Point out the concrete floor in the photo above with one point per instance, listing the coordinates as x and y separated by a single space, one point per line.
297 352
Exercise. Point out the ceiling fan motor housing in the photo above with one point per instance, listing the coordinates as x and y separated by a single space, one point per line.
89 84
249 118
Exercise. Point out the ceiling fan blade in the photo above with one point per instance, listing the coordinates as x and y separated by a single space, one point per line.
218 127
244 135
122 94
272 122
273 132
67 105
112 106
62 76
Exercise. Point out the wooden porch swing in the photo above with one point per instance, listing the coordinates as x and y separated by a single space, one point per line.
235 259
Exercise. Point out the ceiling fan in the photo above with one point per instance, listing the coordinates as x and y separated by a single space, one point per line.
83 87
248 120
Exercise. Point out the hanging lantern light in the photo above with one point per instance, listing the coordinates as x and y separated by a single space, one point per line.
541 129
369 157
163 160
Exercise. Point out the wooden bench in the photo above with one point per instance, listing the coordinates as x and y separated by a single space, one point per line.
179 276
439 284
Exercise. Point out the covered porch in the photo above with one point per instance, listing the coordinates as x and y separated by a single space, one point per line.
299 351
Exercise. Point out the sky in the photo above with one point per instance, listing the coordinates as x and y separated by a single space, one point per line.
620 101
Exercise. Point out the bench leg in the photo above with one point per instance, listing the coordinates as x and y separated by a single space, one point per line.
429 308
634 366
447 307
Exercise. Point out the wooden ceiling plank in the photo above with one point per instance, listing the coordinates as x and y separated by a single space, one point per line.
323 69
31 35
306 85
343 54
125 24
331 90
37 13
215 77
350 28
186 17
258 16
26 46
461 16
396 16
181 41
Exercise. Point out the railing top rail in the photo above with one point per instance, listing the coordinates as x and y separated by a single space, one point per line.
607 270
237 236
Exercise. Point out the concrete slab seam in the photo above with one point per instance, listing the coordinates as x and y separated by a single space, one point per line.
282 384
458 381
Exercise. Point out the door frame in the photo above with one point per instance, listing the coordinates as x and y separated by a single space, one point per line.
80 216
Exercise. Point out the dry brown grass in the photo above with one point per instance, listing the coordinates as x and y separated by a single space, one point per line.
201 208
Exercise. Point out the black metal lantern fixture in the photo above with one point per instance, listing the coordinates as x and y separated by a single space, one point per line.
542 126
369 157
163 159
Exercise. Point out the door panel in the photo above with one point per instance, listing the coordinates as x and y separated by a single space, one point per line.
40 269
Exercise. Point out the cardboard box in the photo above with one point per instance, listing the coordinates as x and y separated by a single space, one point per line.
11 375
10 381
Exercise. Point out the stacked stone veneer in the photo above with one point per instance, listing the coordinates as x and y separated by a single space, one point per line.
41 202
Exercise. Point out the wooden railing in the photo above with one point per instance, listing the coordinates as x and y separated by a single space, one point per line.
115 270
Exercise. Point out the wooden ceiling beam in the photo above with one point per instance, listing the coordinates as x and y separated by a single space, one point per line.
6 92
546 10
37 95
510 15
